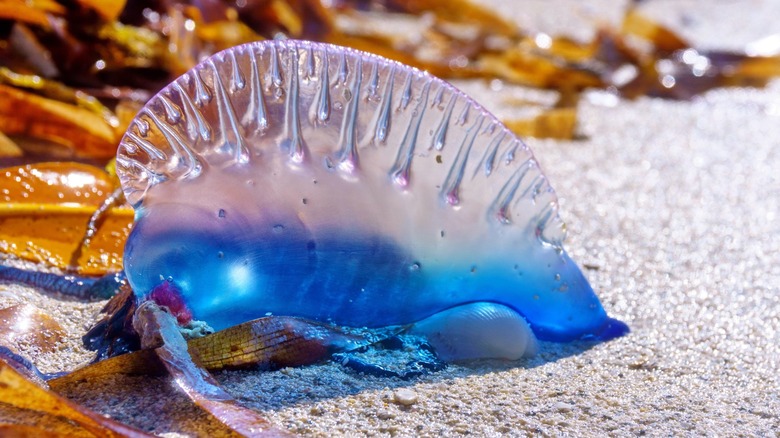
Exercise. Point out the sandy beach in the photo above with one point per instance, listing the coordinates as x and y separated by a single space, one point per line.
674 207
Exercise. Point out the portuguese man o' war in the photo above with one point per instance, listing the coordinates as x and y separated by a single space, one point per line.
305 179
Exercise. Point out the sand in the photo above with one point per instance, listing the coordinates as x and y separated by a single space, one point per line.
674 206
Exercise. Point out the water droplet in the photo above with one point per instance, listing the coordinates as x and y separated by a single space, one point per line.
278 228
221 212
557 277
221 255
473 269
441 233
305 201
415 266
169 279
536 297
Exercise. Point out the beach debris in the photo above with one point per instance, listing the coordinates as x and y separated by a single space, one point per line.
268 343
265 343
68 130
273 342
113 333
159 332
18 389
395 354
405 396
29 325
9 148
69 75
560 123
248 201
56 182
46 213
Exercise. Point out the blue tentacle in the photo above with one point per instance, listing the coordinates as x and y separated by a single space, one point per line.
83 288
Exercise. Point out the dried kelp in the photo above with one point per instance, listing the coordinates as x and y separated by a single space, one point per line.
47 211
26 324
266 343
61 129
159 331
104 57
18 391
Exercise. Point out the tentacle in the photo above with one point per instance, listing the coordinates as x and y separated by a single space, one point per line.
83 288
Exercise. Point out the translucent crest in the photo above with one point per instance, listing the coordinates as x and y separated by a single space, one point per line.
359 116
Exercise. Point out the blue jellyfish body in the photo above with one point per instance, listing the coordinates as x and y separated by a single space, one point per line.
296 178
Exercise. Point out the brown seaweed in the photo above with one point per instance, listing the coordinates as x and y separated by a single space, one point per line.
26 324
104 55
48 209
265 343
19 391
